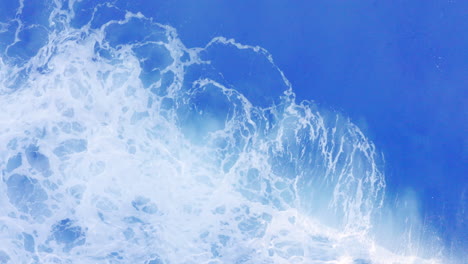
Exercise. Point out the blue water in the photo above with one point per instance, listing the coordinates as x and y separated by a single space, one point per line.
233 132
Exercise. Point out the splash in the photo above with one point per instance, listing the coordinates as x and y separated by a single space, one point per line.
121 145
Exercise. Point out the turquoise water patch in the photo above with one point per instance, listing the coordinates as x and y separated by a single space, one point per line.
67 234
37 160
71 146
14 162
28 242
27 195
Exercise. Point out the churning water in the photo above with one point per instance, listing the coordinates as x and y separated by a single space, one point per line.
121 145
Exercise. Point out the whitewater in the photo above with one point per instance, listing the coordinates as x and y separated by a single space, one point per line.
119 144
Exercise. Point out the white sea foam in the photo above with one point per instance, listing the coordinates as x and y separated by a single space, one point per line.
121 147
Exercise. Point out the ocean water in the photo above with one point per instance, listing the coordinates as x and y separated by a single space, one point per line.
121 144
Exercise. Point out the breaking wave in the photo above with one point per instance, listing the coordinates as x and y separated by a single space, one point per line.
122 145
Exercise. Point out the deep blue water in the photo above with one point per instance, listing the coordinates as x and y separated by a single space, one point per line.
118 131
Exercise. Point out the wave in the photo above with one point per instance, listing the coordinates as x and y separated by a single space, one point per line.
123 145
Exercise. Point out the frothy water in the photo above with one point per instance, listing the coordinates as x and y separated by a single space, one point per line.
121 145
